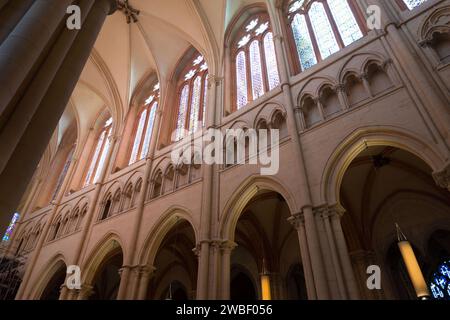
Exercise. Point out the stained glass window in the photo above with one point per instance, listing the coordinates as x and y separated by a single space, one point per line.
99 156
11 227
195 105
181 122
321 28
255 61
241 74
149 131
143 133
63 173
138 137
205 99
440 282
345 21
303 42
271 61
256 70
192 99
411 4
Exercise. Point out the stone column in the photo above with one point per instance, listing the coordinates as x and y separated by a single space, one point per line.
64 292
24 45
27 154
305 195
214 265
202 274
11 12
146 274
226 249
365 81
425 89
298 221
352 287
124 273
361 260
325 216
85 292
23 111
342 96
317 263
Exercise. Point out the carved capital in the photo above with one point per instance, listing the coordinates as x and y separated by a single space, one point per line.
228 246
297 220
442 178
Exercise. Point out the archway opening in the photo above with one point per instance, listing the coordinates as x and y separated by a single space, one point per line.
242 287
107 279
53 289
383 186
267 248
175 276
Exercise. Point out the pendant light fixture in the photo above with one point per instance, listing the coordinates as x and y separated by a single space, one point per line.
412 266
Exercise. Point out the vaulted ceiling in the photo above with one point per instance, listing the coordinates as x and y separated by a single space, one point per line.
126 54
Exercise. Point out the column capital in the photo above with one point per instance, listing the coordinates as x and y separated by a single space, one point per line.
442 178
227 246
85 291
297 220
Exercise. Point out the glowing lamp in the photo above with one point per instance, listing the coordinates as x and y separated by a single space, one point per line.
412 266
265 284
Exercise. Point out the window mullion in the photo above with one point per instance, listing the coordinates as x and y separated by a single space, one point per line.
97 162
144 133
249 74
313 38
188 107
262 54
336 32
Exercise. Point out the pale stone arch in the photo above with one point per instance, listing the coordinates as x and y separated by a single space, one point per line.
268 113
161 228
110 244
243 194
46 273
357 62
362 138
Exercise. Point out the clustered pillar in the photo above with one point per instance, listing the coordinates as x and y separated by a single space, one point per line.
36 90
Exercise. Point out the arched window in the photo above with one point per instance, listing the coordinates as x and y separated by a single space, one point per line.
63 173
144 127
99 154
10 229
321 28
256 69
410 4
192 94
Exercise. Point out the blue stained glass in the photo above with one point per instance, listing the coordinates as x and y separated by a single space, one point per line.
440 282
11 227
303 42
411 4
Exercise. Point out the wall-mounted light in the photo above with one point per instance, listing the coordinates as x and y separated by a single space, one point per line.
412 266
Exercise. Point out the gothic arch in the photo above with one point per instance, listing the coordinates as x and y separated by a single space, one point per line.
363 138
243 194
110 244
46 273
157 233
